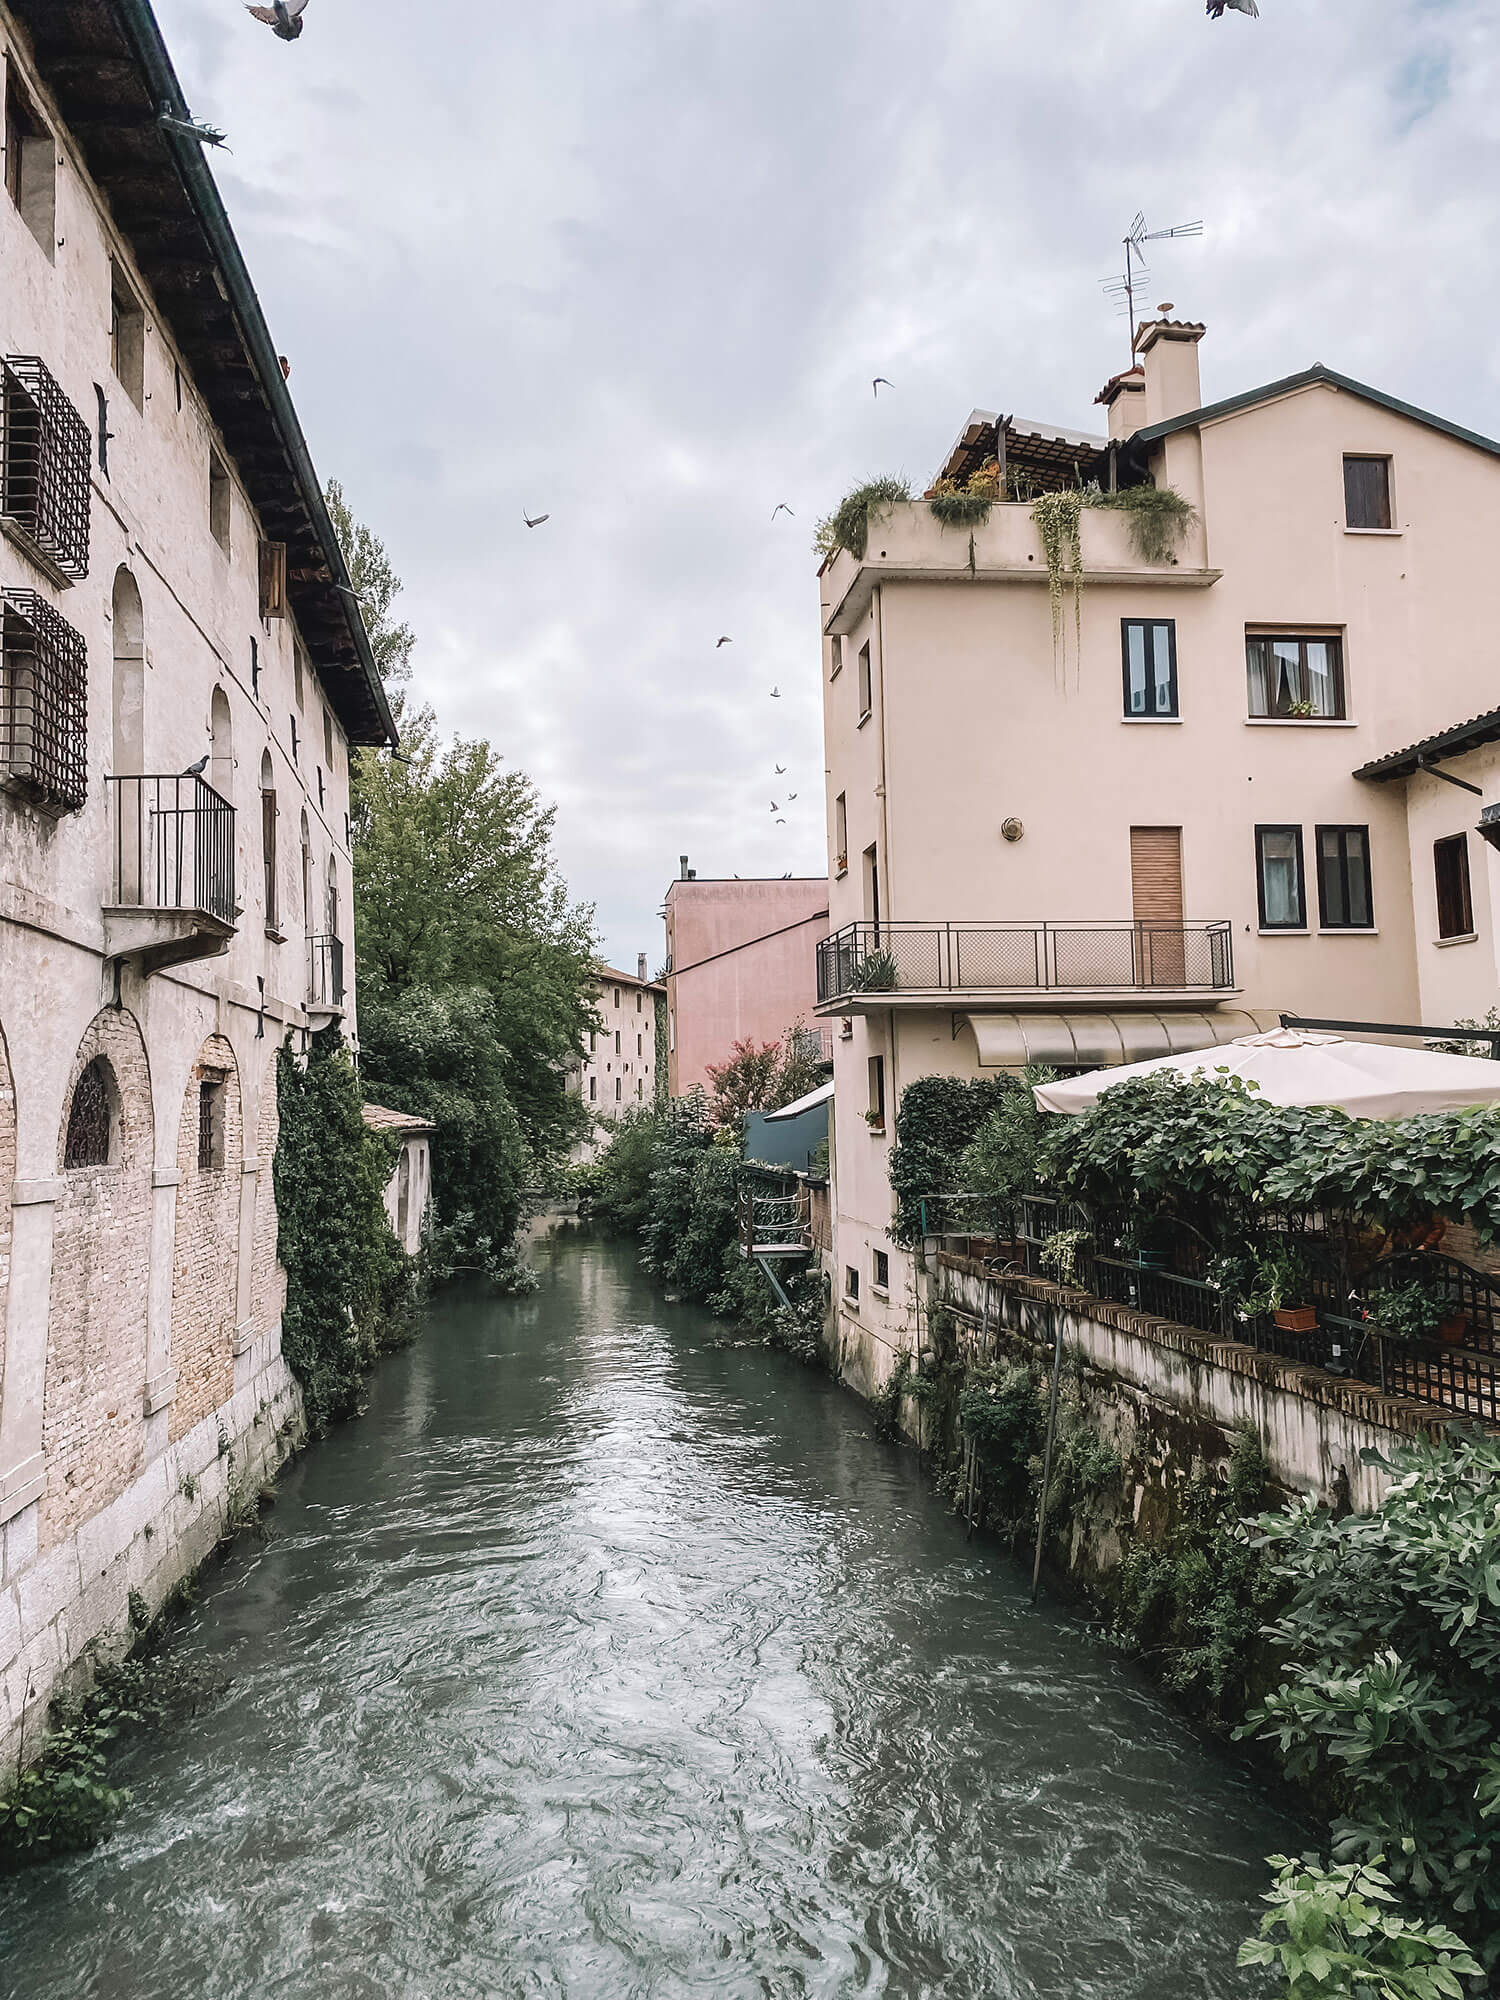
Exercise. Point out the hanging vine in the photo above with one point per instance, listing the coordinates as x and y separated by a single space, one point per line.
1057 517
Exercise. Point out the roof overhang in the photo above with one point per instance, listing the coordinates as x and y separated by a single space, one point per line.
1417 757
1100 1041
107 68
822 1095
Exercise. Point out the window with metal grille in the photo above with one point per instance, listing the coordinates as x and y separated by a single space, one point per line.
211 1123
1455 905
882 1271
43 704
1344 902
45 451
90 1118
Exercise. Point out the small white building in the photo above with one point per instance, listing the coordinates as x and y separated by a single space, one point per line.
408 1192
618 1071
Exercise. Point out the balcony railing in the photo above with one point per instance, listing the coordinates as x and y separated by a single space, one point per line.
325 973
173 847
1025 958
43 704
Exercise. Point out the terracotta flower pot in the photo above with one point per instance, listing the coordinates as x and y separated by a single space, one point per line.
1454 1331
1296 1319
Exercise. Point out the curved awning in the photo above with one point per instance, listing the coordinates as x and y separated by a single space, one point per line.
1098 1041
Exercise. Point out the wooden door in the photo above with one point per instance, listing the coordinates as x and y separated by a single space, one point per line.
1156 890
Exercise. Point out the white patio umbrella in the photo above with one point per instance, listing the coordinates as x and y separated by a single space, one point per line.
1299 1066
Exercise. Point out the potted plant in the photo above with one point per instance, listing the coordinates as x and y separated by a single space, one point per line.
841 864
1277 1286
874 973
1059 1254
1406 1312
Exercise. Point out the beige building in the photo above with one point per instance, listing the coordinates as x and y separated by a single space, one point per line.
408 1192
182 673
618 1072
1165 825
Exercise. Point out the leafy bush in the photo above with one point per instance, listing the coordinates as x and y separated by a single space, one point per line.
1405 1312
764 1076
937 1120
958 506
848 526
1158 518
1345 1940
1391 1696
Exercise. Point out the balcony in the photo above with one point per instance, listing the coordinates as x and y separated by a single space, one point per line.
172 872
869 966
325 978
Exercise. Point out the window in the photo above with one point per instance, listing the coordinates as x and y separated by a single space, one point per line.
268 835
328 737
297 680
617 1090
103 435
851 1283
127 337
1295 679
293 721
840 835
1455 908
593 1090
319 770
640 1047
882 1271
1150 649
45 450
617 1002
617 1041
218 500
272 564
91 1118
593 1037
835 656
1283 902
640 1088
254 669
875 1116
1344 901
43 704
638 1003
1367 492
864 681
30 163
211 1123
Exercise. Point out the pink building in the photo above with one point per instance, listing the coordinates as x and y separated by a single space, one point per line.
741 965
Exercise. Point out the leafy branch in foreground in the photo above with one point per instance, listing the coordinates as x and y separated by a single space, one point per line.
1345 1940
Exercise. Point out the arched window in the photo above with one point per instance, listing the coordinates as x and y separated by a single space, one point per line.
333 897
268 834
221 750
129 745
91 1117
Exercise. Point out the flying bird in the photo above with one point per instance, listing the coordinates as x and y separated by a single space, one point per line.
781 770
790 796
197 770
884 381
282 17
725 641
1216 8
776 694
534 520
782 508
774 807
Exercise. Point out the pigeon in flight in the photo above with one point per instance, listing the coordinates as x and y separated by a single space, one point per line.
725 641
197 770
774 807
776 694
781 770
282 17
534 520
884 381
790 796
1216 8
782 508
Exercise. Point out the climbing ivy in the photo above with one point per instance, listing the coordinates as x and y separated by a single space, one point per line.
349 1284
938 1121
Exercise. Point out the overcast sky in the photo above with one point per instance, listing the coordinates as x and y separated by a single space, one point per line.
635 262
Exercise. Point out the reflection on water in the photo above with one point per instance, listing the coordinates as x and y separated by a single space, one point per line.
598 1660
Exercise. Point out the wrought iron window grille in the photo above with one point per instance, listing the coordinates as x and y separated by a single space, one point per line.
45 451
211 1121
89 1119
43 704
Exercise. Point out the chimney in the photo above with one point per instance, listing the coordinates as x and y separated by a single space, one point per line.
1168 349
1124 396
682 866
640 967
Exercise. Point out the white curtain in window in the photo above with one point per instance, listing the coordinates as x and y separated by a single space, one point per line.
1280 888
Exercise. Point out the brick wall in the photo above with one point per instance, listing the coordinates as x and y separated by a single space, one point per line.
205 1259
267 1279
92 1423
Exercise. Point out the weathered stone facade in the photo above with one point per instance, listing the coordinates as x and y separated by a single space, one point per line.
182 677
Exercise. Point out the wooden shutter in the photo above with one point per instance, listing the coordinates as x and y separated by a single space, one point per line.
1156 891
273 579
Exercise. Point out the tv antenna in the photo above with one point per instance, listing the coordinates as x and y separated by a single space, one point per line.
1124 288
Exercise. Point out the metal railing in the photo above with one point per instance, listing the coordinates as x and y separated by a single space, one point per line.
43 703
325 971
1037 958
173 842
814 1044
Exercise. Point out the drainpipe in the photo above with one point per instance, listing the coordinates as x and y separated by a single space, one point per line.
144 36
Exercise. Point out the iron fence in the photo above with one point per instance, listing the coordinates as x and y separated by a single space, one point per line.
45 468
949 958
173 846
43 703
325 971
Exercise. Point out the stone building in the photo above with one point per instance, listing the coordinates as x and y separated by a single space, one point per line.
182 674
618 1071
408 1192
1180 806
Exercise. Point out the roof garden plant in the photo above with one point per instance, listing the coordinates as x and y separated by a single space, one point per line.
1158 518
875 972
848 526
1405 1312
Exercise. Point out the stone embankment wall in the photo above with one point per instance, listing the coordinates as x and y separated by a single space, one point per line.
67 1610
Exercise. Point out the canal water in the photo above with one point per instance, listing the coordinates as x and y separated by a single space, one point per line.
604 1659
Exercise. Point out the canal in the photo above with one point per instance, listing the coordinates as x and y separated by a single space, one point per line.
604 1659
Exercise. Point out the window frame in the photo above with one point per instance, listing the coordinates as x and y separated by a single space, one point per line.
33 193
1325 921
875 1115
1454 843
866 680
127 335
1388 525
1302 640
1280 826
880 1271
220 502
1149 625
851 1283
